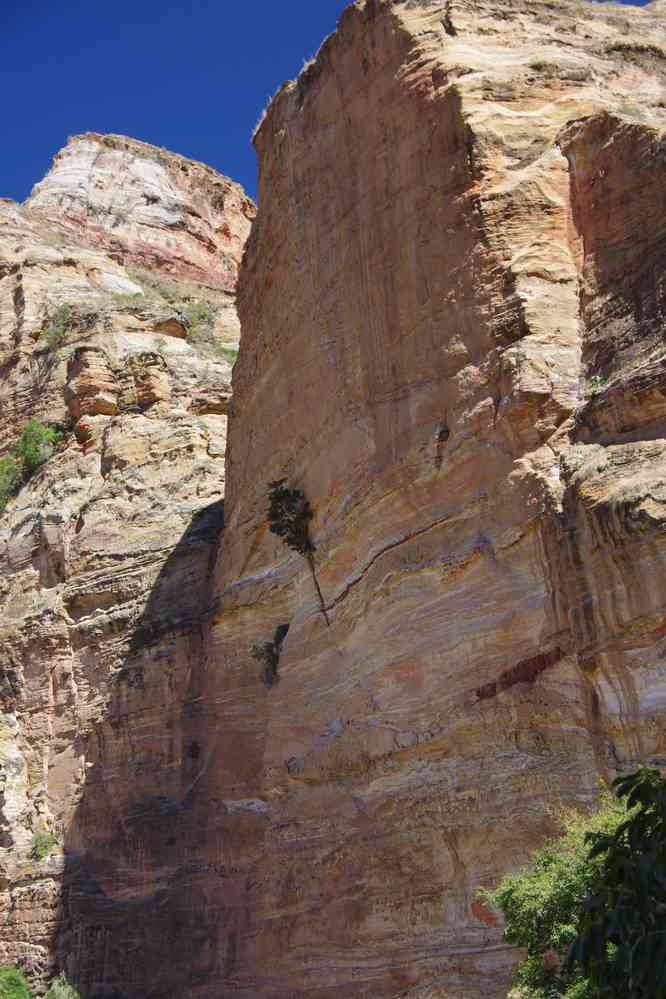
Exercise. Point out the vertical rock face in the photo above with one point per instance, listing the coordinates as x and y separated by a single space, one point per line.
452 305
106 551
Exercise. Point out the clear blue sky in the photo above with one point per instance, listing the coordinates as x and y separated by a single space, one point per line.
192 76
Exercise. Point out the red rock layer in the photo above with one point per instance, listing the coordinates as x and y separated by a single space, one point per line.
151 208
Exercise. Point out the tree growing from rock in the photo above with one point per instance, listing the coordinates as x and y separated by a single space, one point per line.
289 516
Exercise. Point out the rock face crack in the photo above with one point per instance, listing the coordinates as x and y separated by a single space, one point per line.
388 548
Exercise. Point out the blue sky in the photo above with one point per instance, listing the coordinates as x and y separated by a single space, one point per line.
192 76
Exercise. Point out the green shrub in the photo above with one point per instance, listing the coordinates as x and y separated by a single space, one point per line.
61 989
620 943
130 298
229 354
10 479
199 319
13 984
543 903
35 446
58 327
42 844
591 908
597 383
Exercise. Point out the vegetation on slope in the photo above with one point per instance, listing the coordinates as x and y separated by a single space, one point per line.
591 908
14 985
35 446
58 327
42 844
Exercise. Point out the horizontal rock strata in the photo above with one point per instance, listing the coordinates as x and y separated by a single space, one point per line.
452 311
106 551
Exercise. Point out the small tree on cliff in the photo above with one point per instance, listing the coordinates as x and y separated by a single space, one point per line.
591 908
289 516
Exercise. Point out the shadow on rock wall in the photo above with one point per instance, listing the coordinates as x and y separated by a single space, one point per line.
149 843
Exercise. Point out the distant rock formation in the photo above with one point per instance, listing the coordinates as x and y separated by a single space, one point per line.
118 325
150 207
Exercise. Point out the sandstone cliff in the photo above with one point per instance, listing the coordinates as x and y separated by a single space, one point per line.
118 325
452 307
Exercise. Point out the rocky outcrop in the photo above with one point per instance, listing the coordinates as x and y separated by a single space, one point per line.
105 551
452 304
148 207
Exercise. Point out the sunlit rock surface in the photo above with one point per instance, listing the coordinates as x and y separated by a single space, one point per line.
452 306
105 551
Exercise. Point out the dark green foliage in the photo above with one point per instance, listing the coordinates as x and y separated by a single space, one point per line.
591 908
268 653
289 516
621 941
58 327
543 903
13 984
61 989
35 446
42 844
10 479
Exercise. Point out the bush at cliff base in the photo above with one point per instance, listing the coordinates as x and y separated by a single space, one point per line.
591 908
13 984
61 989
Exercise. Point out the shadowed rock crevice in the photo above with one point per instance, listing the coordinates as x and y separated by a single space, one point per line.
137 872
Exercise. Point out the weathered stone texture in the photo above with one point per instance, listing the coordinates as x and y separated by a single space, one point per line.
149 207
452 320
452 308
105 553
